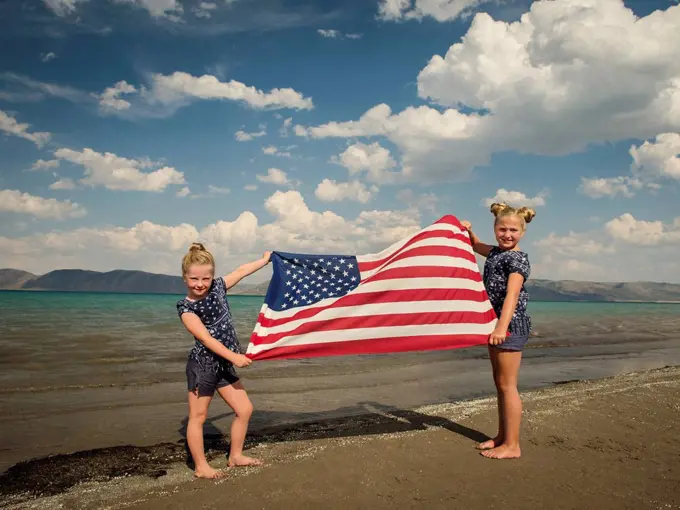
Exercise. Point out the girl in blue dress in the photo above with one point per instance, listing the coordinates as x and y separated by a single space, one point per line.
506 270
210 367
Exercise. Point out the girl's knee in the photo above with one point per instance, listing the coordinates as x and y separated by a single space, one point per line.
198 416
244 411
505 384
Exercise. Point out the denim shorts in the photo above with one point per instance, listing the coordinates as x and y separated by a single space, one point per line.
513 343
205 381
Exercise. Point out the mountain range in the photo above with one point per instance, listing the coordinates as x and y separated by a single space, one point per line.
124 281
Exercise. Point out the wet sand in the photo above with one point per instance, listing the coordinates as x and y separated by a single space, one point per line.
35 424
607 443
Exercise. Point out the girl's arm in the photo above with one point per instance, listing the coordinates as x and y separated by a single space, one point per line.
246 269
478 246
201 333
500 333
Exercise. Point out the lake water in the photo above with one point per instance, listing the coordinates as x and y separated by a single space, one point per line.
84 370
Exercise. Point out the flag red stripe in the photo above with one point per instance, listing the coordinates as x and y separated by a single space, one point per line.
383 296
379 321
372 346
368 265
425 251
426 272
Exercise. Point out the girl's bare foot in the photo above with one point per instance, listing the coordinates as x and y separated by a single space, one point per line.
242 460
503 452
208 472
491 443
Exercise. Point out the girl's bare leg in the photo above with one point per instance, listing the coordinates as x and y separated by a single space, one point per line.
236 397
508 363
498 440
198 412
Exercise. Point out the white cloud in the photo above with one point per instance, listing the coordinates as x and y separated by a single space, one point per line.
574 244
336 34
184 192
373 159
652 161
17 202
10 126
441 10
424 201
623 249
63 184
646 233
167 93
660 158
117 173
515 199
217 190
599 187
331 191
332 34
203 10
62 7
46 57
564 76
250 187
285 127
110 98
159 248
170 9
274 176
297 228
242 136
213 191
41 164
272 150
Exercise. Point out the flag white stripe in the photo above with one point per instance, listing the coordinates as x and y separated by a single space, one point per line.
425 261
386 285
393 308
348 335
399 244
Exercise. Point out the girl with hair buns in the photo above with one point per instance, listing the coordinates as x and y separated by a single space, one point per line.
505 272
206 315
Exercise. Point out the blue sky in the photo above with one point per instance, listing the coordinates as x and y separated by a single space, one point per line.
130 128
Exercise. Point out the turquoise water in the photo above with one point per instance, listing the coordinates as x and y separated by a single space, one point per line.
65 339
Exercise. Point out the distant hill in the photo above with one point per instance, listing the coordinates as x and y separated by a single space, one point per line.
121 281
142 282
14 278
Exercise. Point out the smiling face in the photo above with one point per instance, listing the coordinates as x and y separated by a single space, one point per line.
199 278
509 230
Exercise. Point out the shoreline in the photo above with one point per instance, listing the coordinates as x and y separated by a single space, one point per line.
58 478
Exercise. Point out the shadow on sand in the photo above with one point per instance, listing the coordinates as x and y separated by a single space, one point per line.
57 473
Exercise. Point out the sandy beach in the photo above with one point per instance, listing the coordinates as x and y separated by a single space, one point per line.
608 443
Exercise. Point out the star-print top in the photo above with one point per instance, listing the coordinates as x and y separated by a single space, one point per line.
213 310
498 268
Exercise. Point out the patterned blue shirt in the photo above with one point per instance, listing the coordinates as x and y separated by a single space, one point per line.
498 268
214 312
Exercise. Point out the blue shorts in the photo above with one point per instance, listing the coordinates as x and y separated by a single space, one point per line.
204 381
513 343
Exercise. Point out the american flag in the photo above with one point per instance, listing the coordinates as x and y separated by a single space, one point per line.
422 293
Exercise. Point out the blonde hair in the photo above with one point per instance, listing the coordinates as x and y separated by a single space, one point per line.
197 255
526 214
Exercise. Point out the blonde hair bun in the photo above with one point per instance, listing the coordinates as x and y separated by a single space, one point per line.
497 208
527 213
197 256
